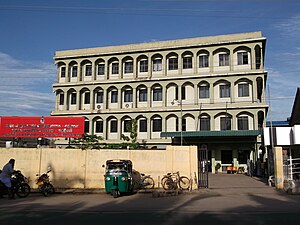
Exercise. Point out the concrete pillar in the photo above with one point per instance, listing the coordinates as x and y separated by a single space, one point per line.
278 167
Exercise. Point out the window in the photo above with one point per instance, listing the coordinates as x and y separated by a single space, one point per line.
86 126
173 64
143 125
87 98
99 126
157 94
61 99
128 96
113 126
157 65
88 70
226 156
183 124
63 71
183 93
243 123
144 65
243 156
143 95
127 125
99 97
128 67
225 123
74 71
204 91
157 125
115 68
224 91
73 98
203 61
205 123
101 69
114 96
224 59
243 90
242 58
187 62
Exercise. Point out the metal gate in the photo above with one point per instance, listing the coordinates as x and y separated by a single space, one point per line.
203 164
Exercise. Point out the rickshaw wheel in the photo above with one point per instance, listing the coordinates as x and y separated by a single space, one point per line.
115 193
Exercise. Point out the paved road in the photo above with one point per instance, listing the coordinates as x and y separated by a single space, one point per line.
232 199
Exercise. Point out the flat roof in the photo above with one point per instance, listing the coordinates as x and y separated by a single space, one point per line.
148 46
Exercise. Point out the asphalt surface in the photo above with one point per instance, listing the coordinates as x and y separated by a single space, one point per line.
231 199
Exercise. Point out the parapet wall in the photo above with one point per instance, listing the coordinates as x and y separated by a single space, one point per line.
76 168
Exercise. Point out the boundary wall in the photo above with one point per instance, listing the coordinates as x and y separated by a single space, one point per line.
76 168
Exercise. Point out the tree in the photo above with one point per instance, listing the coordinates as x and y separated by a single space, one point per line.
88 141
133 134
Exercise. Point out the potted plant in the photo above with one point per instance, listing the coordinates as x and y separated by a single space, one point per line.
217 167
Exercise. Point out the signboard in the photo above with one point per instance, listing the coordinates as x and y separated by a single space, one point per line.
41 127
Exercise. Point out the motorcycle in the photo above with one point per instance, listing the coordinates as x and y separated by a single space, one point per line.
44 185
19 185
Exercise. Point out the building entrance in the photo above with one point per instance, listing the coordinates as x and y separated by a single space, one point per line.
203 166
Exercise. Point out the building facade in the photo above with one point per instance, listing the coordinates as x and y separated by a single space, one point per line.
206 84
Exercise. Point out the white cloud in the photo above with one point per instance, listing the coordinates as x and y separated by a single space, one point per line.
26 87
290 27
282 87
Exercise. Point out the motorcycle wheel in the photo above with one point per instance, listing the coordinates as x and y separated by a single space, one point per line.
47 190
22 190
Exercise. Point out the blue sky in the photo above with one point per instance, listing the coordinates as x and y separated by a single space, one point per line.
32 30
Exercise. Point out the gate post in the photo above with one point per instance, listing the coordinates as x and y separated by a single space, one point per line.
278 167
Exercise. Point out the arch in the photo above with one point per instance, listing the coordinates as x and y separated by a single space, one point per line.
244 113
222 81
113 59
223 114
203 52
260 119
127 58
187 53
99 60
156 56
260 88
243 80
220 50
258 56
172 123
172 55
97 118
155 116
86 61
141 57
72 63
242 48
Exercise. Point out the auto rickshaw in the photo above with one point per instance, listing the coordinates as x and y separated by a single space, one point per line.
118 177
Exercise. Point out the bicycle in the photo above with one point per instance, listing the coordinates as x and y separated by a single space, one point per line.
147 181
142 181
171 181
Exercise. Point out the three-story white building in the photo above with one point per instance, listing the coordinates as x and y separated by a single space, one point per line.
181 91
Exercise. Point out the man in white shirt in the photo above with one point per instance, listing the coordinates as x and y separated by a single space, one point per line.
5 176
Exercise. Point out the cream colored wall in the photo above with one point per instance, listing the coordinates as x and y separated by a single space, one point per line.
75 168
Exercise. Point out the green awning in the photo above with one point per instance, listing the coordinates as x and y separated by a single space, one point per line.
223 133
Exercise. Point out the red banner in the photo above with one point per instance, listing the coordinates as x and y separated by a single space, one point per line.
41 127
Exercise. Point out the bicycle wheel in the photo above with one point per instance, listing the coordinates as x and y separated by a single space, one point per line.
167 183
148 183
184 183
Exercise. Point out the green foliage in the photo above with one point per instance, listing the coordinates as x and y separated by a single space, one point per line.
218 166
132 136
88 142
